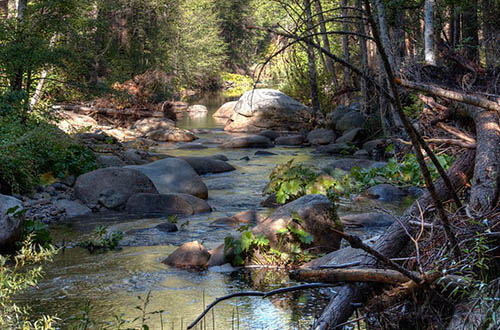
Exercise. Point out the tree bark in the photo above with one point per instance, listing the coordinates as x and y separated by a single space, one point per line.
429 50
345 47
364 62
20 7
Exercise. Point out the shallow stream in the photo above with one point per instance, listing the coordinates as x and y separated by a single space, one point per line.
112 282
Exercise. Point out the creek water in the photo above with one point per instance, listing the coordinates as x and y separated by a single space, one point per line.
113 283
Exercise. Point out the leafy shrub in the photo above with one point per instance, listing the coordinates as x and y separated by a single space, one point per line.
39 231
102 240
17 275
31 146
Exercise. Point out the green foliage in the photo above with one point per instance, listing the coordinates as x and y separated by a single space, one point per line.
17 275
39 231
102 240
238 83
30 146
290 182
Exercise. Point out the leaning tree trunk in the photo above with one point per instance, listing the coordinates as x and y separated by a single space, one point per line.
326 43
392 242
311 60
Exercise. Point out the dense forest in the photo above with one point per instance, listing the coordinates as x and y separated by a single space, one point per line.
412 84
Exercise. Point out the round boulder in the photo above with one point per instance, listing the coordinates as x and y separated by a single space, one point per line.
174 175
89 187
225 111
204 165
350 120
290 140
171 135
11 225
262 109
146 125
189 255
165 204
321 136
385 192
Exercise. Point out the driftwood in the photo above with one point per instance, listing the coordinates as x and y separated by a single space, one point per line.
458 133
390 244
112 112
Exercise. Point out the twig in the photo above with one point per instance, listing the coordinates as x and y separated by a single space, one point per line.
258 294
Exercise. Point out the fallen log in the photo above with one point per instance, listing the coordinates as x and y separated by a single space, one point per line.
113 112
475 100
458 133
390 244
387 276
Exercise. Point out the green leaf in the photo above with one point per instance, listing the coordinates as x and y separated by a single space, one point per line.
246 240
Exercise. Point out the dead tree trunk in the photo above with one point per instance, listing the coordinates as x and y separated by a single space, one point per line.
429 50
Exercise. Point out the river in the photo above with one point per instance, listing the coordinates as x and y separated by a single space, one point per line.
114 283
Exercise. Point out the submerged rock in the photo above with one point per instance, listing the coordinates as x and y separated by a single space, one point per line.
174 175
189 255
263 109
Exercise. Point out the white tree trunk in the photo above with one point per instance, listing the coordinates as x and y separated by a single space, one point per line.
430 54
20 7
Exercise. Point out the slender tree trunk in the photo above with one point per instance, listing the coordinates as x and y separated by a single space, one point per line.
364 62
429 51
345 47
311 60
20 7
326 43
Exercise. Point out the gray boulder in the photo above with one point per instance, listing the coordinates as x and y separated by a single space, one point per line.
171 135
386 192
352 119
225 111
271 135
146 125
72 209
339 112
91 187
11 226
174 175
165 204
204 165
290 140
261 109
251 141
354 136
321 136
110 161
189 255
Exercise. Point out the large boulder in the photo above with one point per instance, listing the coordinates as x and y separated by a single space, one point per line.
335 149
11 225
146 125
225 111
165 204
72 122
189 255
262 109
173 134
318 215
110 161
350 120
370 219
354 136
174 175
112 181
321 136
204 165
251 141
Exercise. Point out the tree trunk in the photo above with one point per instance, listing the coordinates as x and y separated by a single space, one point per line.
345 47
429 50
326 43
20 7
364 62
311 60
